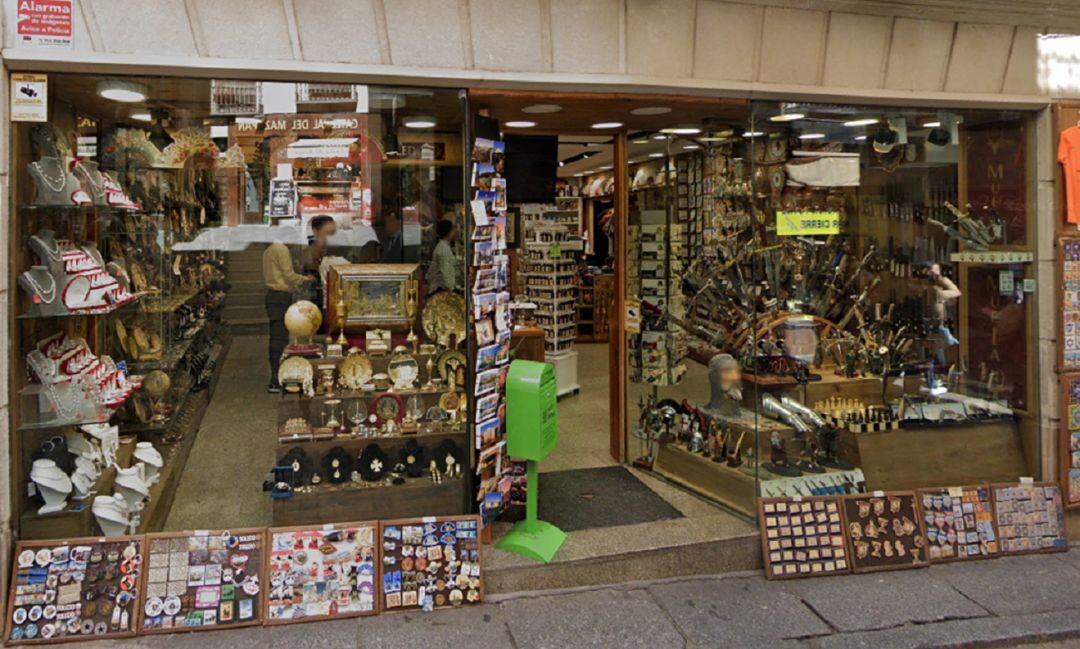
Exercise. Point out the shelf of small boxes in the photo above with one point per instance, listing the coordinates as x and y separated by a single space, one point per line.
895 530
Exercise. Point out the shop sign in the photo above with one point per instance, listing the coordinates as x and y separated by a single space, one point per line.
29 98
796 224
45 23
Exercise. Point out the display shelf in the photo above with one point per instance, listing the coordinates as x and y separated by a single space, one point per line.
417 497
83 314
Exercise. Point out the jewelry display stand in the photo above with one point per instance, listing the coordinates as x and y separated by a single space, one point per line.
111 516
56 185
52 484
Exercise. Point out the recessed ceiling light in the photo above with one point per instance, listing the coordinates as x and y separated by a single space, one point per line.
787 117
860 138
562 163
420 122
656 155
659 136
640 140
811 136
932 125
651 110
861 122
124 91
690 147
142 117
523 123
753 134
683 129
538 109
605 167
602 125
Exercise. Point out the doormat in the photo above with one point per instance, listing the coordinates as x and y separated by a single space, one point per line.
605 497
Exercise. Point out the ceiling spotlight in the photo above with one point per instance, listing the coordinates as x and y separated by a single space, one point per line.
860 138
932 125
420 122
520 124
640 140
861 122
603 125
124 91
786 117
753 134
142 117
656 155
812 136
651 110
684 129
690 147
562 163
539 109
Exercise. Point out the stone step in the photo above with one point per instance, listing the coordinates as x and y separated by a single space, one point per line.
655 550
244 299
248 327
244 313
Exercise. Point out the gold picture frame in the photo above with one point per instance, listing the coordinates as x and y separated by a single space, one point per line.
375 296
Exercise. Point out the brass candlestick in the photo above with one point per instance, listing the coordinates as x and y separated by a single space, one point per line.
341 316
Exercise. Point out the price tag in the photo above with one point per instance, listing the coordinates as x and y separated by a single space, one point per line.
797 498
879 494
201 533
328 527
427 519
1027 480
956 492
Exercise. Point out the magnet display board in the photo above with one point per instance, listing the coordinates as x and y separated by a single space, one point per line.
1069 296
959 523
75 589
802 537
431 562
1069 451
1030 518
885 531
203 580
322 572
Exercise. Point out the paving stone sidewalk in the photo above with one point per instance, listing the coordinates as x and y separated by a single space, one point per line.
999 602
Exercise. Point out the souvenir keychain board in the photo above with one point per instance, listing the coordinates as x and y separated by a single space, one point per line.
1030 517
203 580
1069 294
415 565
802 537
74 589
959 523
884 531
321 572
1070 439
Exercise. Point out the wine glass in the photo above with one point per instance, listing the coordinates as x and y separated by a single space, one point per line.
357 414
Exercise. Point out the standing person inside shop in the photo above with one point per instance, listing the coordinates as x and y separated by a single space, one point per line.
281 282
322 228
394 248
442 274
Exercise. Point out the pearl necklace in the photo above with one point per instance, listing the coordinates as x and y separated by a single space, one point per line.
53 252
56 186
46 295
99 187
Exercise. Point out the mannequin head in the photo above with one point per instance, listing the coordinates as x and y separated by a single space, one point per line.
725 379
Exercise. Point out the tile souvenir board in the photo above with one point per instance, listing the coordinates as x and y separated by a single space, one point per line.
884 531
959 523
316 573
431 563
1070 448
1030 518
1069 276
75 589
802 537
203 580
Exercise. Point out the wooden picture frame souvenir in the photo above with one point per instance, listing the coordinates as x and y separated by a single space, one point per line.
874 514
1068 296
1005 522
981 499
824 548
160 614
276 552
41 565
1069 447
398 554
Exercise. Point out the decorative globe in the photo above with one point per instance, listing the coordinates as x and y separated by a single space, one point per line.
155 384
303 319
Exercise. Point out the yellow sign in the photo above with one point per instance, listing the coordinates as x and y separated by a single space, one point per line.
29 98
795 224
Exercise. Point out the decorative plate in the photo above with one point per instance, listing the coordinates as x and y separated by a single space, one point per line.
388 406
355 371
447 364
449 401
296 374
443 317
403 369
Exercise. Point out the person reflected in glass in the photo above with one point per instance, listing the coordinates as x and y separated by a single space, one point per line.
281 283
442 274
322 228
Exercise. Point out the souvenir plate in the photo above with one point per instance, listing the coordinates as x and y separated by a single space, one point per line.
388 406
443 317
296 374
355 371
449 401
403 369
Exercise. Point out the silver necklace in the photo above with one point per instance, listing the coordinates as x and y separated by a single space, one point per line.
49 295
55 185
98 187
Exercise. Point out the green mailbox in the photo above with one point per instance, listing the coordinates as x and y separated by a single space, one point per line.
532 429
532 425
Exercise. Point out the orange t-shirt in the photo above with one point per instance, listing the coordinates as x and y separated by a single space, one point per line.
1069 157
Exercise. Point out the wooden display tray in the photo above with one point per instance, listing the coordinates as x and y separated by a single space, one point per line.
993 521
328 527
1064 528
136 615
769 574
256 620
417 497
920 529
1065 440
436 519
